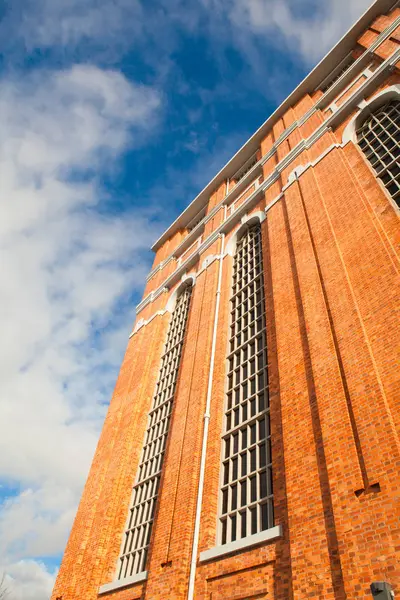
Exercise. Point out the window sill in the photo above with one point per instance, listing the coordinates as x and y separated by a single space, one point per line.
259 538
121 583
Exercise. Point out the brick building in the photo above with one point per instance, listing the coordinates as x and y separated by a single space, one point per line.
251 448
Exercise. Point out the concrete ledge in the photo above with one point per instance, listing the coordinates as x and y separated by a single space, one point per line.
326 126
308 85
121 583
254 540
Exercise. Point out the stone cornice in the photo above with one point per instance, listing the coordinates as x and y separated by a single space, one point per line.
230 221
321 71
253 173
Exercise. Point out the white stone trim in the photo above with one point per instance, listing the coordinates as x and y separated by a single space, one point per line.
243 167
242 186
247 221
295 174
366 74
156 269
122 583
329 80
298 171
350 103
185 279
206 263
241 545
365 107
274 201
231 221
143 322
377 8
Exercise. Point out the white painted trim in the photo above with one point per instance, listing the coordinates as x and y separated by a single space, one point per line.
244 184
244 165
366 107
274 201
247 221
206 263
366 74
227 225
241 545
143 322
122 583
307 85
185 279
240 187
336 117
237 197
298 171
295 174
328 81
207 416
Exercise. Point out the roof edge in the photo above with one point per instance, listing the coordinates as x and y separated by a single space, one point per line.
308 84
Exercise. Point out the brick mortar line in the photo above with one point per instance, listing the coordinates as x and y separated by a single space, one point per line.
339 360
362 325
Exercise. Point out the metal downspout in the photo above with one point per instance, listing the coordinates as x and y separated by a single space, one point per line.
205 431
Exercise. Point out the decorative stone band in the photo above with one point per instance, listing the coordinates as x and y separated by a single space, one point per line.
122 583
231 220
269 535
170 304
323 102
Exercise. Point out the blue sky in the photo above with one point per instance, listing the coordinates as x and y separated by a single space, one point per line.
114 114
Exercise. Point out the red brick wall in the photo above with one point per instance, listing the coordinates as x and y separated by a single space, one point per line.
331 262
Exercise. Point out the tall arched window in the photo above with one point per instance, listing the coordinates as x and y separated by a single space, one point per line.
379 139
136 540
246 504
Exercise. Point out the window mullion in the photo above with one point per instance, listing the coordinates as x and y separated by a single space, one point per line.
379 139
243 476
145 491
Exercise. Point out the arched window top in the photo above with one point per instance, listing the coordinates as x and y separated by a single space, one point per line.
188 282
249 230
248 221
379 138
136 540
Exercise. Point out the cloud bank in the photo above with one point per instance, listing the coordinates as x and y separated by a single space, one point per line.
309 28
67 269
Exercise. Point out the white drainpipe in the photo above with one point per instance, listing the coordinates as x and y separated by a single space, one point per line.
205 432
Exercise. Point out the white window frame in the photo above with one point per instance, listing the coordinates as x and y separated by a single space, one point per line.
379 139
229 545
364 109
130 568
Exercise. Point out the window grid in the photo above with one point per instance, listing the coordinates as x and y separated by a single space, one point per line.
246 503
379 139
144 495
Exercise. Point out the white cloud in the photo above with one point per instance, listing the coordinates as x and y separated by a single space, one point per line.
309 28
68 268
29 580
71 23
